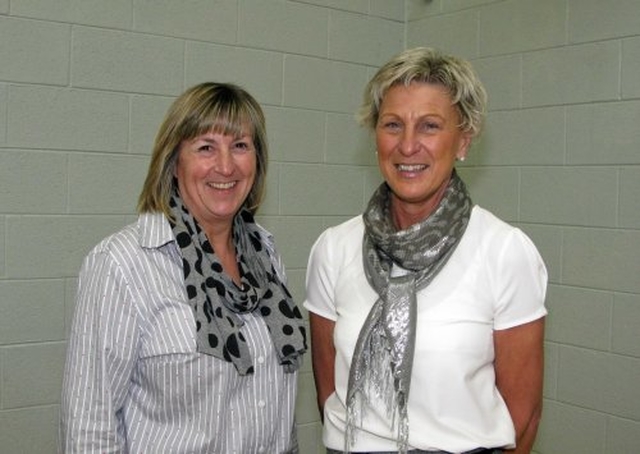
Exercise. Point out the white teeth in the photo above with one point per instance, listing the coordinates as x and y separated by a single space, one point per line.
228 185
411 167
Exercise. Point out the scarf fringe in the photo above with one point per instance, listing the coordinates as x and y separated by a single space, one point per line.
383 356
378 385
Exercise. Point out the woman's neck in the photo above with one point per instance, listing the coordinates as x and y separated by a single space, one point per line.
222 243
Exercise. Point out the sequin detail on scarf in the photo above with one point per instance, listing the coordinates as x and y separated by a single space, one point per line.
383 357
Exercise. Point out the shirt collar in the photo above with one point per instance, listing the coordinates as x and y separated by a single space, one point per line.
155 230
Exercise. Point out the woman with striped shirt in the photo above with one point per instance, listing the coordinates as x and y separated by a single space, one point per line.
185 338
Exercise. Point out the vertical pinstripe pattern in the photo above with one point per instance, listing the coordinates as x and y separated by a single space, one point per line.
134 382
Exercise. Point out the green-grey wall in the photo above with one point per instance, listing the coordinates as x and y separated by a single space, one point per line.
561 159
84 85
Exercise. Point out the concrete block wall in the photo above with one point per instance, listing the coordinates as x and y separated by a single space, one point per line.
561 158
84 85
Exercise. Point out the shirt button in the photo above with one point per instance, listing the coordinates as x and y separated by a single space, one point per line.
261 359
261 403
261 449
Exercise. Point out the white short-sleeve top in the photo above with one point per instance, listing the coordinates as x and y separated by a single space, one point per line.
494 280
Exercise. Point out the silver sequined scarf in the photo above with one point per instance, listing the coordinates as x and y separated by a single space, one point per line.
383 357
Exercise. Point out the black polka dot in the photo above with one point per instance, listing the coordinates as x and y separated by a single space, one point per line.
211 282
257 244
265 311
216 267
232 346
288 350
207 310
183 239
213 340
220 288
285 309
206 247
287 329
186 268
252 280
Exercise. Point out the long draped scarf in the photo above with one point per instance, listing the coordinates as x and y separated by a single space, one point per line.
383 357
216 299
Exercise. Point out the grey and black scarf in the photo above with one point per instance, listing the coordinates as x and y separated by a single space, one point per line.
216 299
383 357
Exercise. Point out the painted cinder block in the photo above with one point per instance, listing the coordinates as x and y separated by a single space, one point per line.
19 194
124 61
38 51
258 71
364 39
201 20
31 311
283 26
67 119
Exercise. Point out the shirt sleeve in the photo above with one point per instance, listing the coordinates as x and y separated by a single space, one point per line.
520 282
100 358
321 278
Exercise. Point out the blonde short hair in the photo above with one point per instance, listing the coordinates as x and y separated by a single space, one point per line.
426 65
210 106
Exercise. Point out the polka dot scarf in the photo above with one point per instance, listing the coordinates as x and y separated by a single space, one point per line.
216 299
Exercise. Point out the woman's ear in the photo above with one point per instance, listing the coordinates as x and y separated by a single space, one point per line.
463 148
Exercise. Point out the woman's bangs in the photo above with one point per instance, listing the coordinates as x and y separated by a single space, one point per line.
226 118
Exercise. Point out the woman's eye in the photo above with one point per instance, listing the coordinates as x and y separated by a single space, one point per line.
391 125
205 148
429 126
242 146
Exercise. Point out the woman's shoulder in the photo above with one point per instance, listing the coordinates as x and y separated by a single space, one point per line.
499 239
150 230
486 227
484 220
339 242
346 232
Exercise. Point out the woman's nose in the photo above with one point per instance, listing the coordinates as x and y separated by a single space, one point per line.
224 162
408 142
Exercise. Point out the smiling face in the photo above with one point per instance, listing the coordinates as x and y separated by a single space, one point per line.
215 174
418 140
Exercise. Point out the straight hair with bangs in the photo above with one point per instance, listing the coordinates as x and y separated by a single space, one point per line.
219 107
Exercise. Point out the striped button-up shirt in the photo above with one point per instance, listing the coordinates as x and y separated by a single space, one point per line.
134 382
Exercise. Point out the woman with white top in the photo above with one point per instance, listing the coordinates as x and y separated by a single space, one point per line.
427 311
